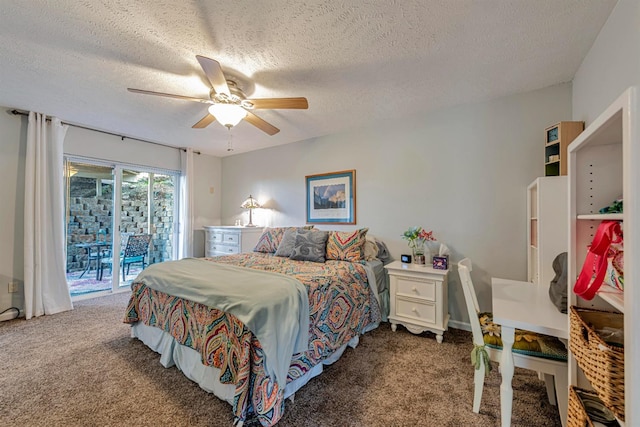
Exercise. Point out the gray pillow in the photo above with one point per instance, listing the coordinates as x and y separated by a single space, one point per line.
310 245
285 248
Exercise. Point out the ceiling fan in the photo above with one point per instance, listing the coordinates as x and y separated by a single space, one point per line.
228 104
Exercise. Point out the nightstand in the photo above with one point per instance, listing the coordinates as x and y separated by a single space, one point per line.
418 298
228 240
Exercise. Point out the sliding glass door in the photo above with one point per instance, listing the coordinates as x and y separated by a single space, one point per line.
141 204
89 213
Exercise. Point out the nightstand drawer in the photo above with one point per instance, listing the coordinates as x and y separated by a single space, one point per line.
424 312
416 288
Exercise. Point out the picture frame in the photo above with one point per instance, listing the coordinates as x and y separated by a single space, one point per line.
331 197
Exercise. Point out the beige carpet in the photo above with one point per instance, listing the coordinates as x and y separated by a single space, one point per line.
81 368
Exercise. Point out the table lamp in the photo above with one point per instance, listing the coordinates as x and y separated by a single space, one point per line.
250 204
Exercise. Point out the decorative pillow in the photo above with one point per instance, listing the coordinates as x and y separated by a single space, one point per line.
310 245
525 342
346 245
271 237
269 240
288 242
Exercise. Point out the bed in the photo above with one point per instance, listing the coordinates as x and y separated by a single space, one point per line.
255 363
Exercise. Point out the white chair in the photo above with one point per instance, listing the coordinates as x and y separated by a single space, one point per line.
555 371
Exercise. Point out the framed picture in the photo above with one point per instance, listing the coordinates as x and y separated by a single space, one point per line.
331 198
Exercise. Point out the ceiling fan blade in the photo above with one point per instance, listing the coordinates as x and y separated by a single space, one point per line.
276 103
261 124
170 95
204 122
214 73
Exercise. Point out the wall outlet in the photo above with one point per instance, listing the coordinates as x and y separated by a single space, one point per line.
13 287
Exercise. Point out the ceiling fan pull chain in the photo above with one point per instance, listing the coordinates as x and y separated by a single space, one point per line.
229 143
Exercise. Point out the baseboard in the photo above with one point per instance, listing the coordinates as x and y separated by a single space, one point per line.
10 315
459 325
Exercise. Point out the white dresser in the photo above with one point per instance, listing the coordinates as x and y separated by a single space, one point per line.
418 298
227 240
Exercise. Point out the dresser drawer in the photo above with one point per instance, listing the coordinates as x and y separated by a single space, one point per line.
416 288
215 237
223 250
231 238
424 312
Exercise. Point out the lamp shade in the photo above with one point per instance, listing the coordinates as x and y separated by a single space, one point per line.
250 203
228 115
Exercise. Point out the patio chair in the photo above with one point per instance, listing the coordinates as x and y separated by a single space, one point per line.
135 251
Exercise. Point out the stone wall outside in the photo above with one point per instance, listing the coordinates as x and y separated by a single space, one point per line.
89 214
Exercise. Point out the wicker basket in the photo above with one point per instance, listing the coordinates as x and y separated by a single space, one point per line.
601 362
576 412
585 408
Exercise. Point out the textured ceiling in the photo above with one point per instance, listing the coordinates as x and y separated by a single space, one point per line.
357 62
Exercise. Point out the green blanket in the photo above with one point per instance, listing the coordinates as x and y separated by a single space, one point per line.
273 306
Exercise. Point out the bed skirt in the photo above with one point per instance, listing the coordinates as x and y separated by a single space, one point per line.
188 361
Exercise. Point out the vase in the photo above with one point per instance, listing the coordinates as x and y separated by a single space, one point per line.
419 252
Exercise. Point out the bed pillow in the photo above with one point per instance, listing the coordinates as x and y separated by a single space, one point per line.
288 242
310 245
346 245
370 248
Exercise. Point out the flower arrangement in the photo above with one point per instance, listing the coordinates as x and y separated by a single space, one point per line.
417 236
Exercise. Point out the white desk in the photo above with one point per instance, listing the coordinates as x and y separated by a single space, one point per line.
527 306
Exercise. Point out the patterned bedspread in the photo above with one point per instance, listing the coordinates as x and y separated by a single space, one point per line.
341 305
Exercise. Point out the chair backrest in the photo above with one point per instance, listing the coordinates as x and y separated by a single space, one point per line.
137 245
101 236
464 271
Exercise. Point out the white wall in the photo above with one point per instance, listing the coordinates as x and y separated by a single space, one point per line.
13 134
462 172
612 64
96 145
207 191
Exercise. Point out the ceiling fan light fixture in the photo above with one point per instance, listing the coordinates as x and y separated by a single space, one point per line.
228 115
228 102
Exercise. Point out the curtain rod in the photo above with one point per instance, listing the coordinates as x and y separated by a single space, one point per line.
122 137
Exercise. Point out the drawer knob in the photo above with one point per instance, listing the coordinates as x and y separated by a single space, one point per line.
414 289
230 250
415 310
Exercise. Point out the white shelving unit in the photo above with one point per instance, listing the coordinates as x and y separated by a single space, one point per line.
547 219
604 164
